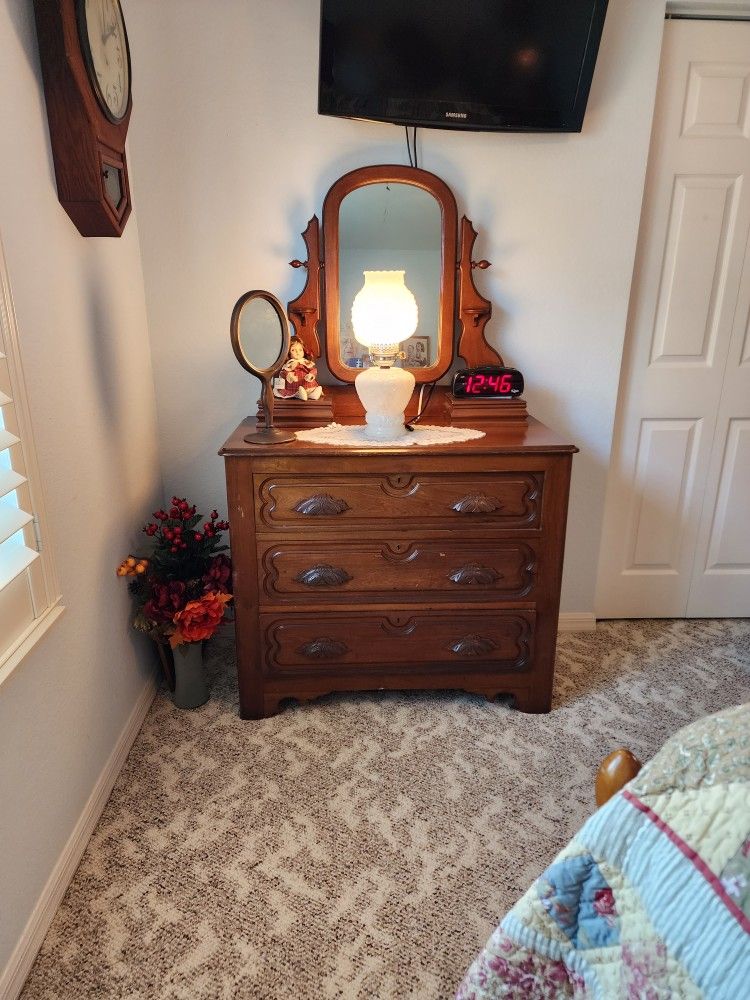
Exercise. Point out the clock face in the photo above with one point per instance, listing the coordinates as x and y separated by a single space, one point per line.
489 382
105 46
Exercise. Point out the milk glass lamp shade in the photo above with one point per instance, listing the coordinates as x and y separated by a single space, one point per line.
384 313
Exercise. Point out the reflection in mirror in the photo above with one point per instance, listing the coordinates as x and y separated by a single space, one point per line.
391 227
261 337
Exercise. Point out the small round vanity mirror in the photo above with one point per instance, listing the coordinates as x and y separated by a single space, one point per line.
260 341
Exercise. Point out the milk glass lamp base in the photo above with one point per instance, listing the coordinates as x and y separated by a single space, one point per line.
384 393
379 428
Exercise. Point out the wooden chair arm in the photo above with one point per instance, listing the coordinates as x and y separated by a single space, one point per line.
615 771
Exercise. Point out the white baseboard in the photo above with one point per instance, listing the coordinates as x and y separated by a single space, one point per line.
19 965
576 621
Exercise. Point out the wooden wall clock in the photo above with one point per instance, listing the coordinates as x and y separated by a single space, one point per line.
85 61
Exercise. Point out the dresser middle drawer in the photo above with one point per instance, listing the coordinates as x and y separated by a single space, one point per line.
378 569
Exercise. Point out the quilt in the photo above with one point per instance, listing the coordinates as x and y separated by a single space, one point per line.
651 899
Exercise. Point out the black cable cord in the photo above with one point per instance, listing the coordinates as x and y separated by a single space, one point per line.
430 390
411 146
408 145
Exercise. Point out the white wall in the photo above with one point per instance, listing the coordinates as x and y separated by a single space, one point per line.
84 342
233 159
228 161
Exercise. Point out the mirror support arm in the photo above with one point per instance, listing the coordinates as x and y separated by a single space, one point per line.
304 311
474 310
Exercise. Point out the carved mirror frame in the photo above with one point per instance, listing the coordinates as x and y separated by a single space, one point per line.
390 174
459 298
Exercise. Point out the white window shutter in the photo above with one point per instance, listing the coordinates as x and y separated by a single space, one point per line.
16 554
27 583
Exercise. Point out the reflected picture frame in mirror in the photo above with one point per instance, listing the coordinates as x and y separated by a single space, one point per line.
267 434
439 190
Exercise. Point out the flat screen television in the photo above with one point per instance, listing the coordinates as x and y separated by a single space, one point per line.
488 65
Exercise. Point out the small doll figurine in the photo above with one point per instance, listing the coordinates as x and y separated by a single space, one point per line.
298 376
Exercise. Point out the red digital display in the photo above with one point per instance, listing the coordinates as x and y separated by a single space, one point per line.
488 382
483 385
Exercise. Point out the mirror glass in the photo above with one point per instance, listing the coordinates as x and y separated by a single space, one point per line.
260 334
391 227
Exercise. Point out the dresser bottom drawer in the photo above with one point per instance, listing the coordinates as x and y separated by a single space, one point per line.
496 640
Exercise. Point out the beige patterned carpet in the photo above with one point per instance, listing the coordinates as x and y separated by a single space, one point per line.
362 846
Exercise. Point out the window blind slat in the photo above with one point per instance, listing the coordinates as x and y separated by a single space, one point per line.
4 398
7 440
14 559
10 480
12 519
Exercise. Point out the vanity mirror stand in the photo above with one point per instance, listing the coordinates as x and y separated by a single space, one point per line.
259 334
408 566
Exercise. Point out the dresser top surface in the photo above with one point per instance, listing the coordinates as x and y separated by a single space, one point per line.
502 437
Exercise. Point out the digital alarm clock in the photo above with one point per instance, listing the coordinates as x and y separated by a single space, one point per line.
488 382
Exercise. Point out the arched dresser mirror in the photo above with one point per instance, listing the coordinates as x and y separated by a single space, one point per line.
395 218
391 219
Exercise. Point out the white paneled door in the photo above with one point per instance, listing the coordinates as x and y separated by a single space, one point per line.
676 536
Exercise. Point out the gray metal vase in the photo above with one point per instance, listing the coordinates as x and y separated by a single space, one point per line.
190 687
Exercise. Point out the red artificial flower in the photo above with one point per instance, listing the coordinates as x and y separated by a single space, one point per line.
165 600
218 576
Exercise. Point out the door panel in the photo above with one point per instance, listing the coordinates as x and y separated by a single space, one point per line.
717 104
666 459
701 228
729 543
678 484
721 576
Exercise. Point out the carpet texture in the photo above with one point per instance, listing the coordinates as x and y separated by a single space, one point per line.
361 846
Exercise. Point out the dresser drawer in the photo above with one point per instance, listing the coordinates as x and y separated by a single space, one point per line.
450 640
375 569
405 501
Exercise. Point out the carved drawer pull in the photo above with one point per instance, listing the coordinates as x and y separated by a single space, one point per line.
323 575
473 645
321 505
473 573
323 649
476 503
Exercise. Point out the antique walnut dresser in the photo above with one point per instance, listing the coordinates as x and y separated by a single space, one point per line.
369 568
398 568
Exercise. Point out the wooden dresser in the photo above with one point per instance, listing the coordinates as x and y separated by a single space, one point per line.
398 568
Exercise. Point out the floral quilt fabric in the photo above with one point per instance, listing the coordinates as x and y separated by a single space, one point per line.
651 899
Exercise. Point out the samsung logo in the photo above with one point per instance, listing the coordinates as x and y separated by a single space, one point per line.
455 114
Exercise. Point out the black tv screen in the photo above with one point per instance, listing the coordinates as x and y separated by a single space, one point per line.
515 65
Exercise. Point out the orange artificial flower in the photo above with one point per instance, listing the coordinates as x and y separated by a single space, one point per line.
199 619
132 566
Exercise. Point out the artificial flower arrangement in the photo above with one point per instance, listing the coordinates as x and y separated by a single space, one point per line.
182 589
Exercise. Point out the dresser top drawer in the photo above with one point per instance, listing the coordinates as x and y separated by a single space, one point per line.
407 501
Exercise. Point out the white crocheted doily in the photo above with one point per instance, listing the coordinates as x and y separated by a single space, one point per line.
350 435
